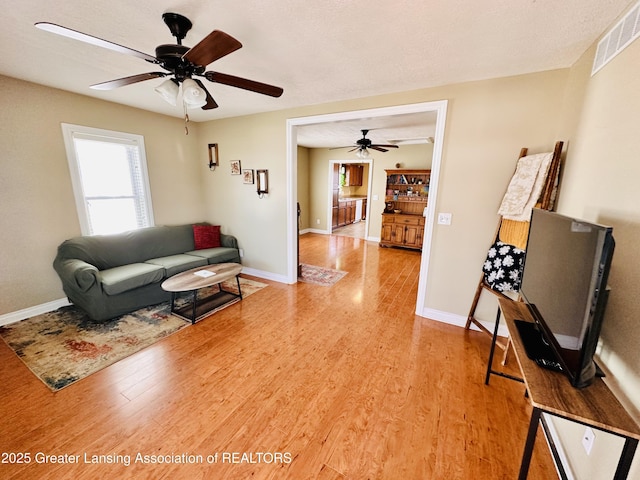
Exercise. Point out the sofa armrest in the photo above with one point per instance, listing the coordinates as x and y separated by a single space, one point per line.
78 273
228 241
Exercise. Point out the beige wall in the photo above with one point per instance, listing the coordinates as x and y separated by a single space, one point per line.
38 208
600 183
304 182
485 129
487 124
258 141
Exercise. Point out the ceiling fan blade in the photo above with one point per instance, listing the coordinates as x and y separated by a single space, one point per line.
212 47
244 83
121 82
83 37
211 103
384 146
377 147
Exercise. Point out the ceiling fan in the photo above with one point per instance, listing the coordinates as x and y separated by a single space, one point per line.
363 144
180 62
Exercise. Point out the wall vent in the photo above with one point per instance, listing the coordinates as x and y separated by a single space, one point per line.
617 39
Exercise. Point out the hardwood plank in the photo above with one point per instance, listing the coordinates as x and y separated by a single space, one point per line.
346 379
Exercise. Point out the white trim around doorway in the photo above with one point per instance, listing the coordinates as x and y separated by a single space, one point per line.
440 107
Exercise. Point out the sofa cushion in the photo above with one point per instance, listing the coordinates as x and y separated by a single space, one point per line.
108 251
178 263
127 277
206 236
217 255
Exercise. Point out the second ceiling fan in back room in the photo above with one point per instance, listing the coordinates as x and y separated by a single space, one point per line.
180 62
364 144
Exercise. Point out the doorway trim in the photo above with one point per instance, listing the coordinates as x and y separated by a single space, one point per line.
439 107
368 161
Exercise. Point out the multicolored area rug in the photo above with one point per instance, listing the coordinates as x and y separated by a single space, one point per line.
320 275
64 346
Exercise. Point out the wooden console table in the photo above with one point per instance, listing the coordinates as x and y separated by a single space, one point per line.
551 392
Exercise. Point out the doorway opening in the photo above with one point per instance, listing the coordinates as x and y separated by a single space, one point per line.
439 108
348 206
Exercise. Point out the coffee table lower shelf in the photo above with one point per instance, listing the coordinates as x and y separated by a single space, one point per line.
199 308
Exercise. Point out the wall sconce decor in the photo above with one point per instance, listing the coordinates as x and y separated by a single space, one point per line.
263 182
247 176
213 156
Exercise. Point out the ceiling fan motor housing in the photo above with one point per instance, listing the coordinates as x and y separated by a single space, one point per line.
170 58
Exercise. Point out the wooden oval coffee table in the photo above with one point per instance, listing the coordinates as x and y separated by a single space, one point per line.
201 277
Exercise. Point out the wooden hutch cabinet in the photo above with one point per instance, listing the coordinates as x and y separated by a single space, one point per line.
405 200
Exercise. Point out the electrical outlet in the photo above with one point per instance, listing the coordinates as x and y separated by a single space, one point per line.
317 221
587 439
241 251
444 219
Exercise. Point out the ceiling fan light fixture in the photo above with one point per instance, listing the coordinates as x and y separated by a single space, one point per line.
168 90
192 95
362 153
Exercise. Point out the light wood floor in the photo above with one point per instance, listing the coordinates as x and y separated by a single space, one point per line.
344 379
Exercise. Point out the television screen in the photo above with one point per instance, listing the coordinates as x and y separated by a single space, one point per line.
564 282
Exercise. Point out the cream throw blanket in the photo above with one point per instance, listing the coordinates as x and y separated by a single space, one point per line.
525 187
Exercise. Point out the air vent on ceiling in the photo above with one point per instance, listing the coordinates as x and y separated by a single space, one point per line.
617 39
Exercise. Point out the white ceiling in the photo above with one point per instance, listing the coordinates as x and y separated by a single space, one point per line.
319 51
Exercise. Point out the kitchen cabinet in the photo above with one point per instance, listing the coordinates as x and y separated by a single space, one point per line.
353 174
346 212
335 196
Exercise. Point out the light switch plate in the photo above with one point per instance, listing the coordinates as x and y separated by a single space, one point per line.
444 219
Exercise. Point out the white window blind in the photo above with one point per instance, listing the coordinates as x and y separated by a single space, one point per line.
109 177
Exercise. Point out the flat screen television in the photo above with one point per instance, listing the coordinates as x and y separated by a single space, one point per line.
564 283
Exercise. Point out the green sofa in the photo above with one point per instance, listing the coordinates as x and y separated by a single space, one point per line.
110 275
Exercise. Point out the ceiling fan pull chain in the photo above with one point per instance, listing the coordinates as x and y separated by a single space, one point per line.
186 120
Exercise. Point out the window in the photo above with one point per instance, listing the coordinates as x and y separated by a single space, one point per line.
109 177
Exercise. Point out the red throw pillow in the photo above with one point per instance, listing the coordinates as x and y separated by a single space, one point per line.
206 236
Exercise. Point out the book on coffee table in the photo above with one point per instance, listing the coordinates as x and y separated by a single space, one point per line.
204 273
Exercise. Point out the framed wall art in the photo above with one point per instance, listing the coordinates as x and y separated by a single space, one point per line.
235 167
247 176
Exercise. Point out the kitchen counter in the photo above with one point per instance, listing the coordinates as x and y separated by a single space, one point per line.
352 198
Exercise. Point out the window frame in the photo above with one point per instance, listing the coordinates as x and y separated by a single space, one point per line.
69 132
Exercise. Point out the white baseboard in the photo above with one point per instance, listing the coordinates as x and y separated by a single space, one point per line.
13 317
459 320
316 230
266 275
